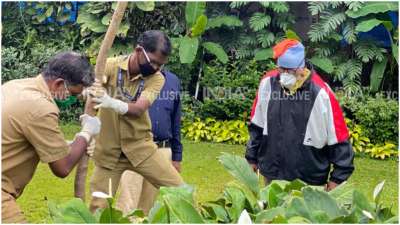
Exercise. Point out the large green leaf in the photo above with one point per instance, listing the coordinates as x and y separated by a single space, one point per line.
183 210
374 8
184 191
377 73
297 207
272 194
252 200
90 21
111 215
266 216
323 63
236 199
219 21
294 185
239 168
199 27
368 25
192 11
188 49
216 50
217 212
263 54
158 213
343 193
360 202
73 211
145 5
320 200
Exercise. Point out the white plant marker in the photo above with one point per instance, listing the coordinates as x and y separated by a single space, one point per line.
368 214
378 189
99 194
244 218
109 187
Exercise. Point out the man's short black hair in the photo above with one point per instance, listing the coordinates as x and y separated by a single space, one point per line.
71 66
153 40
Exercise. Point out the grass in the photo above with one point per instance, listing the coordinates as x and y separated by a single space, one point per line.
201 169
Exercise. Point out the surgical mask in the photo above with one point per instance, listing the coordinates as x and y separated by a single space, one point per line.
146 69
288 80
66 102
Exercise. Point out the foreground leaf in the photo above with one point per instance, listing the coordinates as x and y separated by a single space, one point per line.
73 211
239 168
183 210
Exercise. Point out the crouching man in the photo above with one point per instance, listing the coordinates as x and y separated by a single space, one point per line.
31 131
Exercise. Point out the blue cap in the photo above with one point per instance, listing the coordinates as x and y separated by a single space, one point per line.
293 57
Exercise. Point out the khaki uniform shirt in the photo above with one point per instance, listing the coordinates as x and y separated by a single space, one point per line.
122 133
30 132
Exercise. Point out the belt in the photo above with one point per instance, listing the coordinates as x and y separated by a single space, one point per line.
163 144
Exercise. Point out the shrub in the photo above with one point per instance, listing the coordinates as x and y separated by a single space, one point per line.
380 118
231 132
229 90
377 115
279 202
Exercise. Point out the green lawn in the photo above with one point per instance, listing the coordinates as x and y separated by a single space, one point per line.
201 169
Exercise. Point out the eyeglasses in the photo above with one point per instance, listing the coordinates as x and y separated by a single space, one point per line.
292 71
154 65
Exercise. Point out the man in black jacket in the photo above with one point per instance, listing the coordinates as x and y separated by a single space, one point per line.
297 129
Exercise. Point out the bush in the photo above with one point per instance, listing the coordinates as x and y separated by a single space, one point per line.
243 201
380 118
231 132
362 144
229 90
377 115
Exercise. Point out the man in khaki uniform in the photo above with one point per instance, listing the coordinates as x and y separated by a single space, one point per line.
165 115
125 141
30 129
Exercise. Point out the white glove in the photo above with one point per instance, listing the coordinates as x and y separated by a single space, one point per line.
90 148
90 126
106 101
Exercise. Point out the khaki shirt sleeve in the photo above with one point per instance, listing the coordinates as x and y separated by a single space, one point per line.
152 87
46 137
108 71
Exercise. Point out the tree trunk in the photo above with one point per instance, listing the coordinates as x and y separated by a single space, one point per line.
81 171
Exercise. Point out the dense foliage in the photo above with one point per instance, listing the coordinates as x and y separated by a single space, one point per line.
244 201
221 50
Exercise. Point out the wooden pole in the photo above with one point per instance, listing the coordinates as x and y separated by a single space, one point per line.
81 171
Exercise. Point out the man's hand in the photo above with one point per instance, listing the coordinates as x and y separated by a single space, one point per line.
106 101
90 127
254 166
177 165
330 186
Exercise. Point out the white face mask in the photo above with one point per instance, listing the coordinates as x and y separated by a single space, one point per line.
288 80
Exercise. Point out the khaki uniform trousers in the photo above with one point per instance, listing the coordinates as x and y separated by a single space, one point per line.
156 169
136 191
10 211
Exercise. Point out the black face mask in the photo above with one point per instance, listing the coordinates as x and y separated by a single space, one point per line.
146 69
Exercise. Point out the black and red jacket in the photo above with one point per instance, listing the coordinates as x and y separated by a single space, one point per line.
299 135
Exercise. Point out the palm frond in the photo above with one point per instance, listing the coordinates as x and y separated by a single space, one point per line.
259 21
